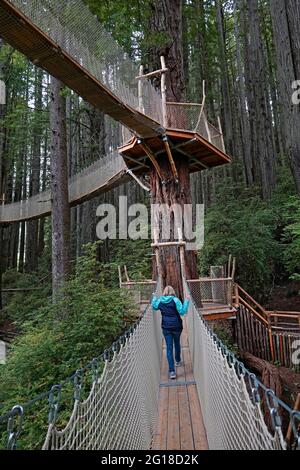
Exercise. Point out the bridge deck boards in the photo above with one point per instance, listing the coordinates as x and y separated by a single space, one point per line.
180 423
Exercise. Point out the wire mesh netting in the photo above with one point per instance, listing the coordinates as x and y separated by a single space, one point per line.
211 290
121 409
73 27
100 174
112 403
233 419
192 117
97 51
141 291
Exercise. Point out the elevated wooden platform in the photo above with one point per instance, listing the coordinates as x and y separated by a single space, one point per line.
180 423
217 311
200 153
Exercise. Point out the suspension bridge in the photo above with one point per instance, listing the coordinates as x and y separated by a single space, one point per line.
92 65
128 403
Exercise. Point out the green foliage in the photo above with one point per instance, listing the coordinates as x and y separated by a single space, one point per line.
135 254
291 237
20 305
242 227
264 236
63 336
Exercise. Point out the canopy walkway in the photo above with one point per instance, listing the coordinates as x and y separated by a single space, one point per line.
54 36
124 400
101 176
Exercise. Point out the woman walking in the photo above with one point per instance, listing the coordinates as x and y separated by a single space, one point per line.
171 311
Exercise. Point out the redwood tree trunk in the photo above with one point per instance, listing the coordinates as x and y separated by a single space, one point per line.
59 187
286 30
166 20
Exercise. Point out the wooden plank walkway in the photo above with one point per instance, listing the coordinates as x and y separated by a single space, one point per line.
180 423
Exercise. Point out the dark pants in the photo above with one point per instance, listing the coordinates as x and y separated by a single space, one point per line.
172 341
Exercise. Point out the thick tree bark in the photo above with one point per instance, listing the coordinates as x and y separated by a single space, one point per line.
262 142
242 102
167 21
59 188
227 97
2 114
286 32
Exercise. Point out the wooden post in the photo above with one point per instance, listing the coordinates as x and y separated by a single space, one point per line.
120 276
290 428
207 130
140 90
229 265
271 339
126 273
221 132
170 157
2 93
202 106
233 268
164 92
152 158
236 295
155 236
181 254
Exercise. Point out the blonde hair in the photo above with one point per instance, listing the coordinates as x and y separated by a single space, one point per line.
168 290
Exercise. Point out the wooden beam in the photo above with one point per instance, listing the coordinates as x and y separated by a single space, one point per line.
140 90
139 182
152 158
120 276
170 157
164 92
126 273
152 74
136 160
176 103
160 244
25 36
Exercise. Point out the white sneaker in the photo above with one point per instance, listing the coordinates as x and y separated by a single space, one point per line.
172 375
179 364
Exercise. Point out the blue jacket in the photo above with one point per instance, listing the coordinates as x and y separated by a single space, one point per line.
171 311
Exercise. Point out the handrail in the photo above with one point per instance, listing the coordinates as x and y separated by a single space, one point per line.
264 320
262 314
261 308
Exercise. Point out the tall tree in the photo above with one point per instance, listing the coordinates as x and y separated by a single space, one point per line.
286 32
59 188
34 187
226 98
262 142
166 23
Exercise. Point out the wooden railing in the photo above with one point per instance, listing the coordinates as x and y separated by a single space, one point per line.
276 320
270 335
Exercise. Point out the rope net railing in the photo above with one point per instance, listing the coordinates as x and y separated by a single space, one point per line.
119 410
73 27
239 412
94 49
102 174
